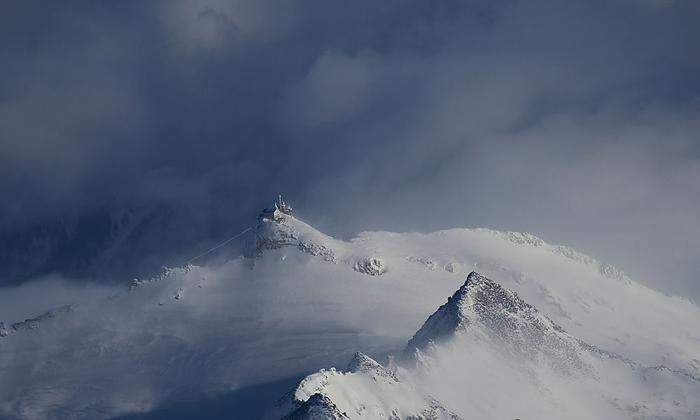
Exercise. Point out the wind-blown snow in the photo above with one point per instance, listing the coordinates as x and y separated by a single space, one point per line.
303 300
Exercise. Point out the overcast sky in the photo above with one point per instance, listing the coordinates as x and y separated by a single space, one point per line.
136 134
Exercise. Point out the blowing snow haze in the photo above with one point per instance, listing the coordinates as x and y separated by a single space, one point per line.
136 135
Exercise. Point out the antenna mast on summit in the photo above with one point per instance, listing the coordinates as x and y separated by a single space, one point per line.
282 206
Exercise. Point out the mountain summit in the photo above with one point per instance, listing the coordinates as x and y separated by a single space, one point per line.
277 228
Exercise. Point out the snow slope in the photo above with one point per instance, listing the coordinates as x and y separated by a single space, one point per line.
302 300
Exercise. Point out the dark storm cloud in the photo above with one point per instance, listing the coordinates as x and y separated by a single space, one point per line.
132 134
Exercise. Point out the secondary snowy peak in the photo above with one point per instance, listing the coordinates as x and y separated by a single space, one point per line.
486 310
366 390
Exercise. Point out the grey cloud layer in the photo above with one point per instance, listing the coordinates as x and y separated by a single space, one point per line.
131 134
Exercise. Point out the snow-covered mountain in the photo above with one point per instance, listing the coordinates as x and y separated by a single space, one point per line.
552 331
492 355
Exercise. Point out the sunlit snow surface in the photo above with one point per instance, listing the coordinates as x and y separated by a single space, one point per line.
304 301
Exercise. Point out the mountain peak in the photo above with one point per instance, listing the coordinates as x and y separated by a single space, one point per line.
450 317
483 307
473 280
